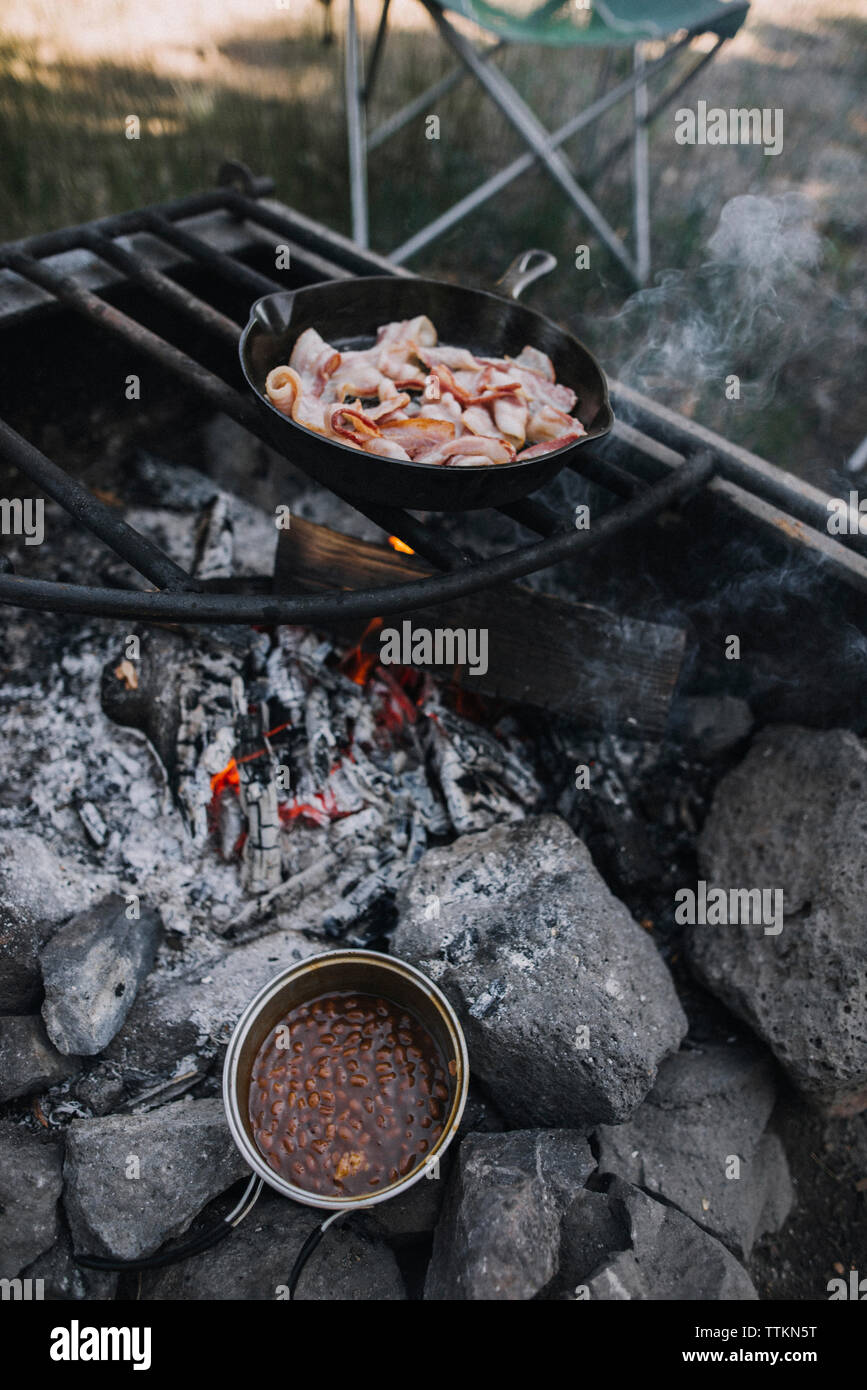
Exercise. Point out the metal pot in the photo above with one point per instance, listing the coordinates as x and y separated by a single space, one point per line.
351 971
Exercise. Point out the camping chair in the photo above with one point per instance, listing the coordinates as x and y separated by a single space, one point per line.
587 24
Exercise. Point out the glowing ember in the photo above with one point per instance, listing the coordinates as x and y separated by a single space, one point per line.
229 777
397 544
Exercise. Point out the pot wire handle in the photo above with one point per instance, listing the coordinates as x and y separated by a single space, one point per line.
522 272
309 1246
203 1241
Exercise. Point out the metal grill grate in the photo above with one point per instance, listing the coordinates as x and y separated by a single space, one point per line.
648 465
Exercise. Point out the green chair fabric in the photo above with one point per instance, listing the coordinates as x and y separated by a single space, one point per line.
603 24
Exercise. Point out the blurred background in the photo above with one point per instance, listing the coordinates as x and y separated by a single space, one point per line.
758 261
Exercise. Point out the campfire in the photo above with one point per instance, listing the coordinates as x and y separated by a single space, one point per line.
216 770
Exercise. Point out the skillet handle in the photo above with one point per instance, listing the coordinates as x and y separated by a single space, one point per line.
522 272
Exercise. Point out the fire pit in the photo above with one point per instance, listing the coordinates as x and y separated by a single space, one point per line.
216 771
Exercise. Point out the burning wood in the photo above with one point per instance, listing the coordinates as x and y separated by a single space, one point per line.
258 793
602 669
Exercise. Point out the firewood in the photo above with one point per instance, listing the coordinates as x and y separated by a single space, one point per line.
605 670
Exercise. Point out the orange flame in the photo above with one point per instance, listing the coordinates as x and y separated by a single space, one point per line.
397 544
229 777
358 664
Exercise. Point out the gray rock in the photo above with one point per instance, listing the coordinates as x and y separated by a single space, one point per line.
100 1089
710 724
28 1060
410 1214
176 1016
531 948
480 1115
30 1184
38 891
65 1280
671 1259
92 968
499 1233
593 1229
707 1108
254 1263
185 1155
793 816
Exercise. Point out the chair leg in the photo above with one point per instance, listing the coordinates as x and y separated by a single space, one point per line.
641 171
378 46
355 125
534 134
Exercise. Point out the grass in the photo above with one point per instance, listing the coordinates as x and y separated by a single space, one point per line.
239 81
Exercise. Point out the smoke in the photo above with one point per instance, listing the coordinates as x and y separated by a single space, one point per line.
741 313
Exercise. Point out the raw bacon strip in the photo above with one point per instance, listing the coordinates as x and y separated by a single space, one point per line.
536 361
541 391
478 394
419 331
420 436
358 376
548 423
284 389
446 408
489 407
493 450
352 425
397 342
549 445
510 417
477 420
469 461
386 448
455 358
314 360
390 405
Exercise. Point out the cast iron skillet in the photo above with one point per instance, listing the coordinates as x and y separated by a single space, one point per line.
347 313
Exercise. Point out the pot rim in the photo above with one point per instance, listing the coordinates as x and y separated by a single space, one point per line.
236 1120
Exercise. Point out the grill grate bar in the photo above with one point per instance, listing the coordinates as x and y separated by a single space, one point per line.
535 516
234 271
736 465
167 291
125 223
591 464
99 519
218 393
311 609
308 234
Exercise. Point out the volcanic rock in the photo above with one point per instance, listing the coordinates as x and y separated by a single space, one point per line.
30 1184
499 1233
28 1061
793 816
65 1280
700 1141
670 1259
567 1006
92 968
38 891
133 1181
254 1263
